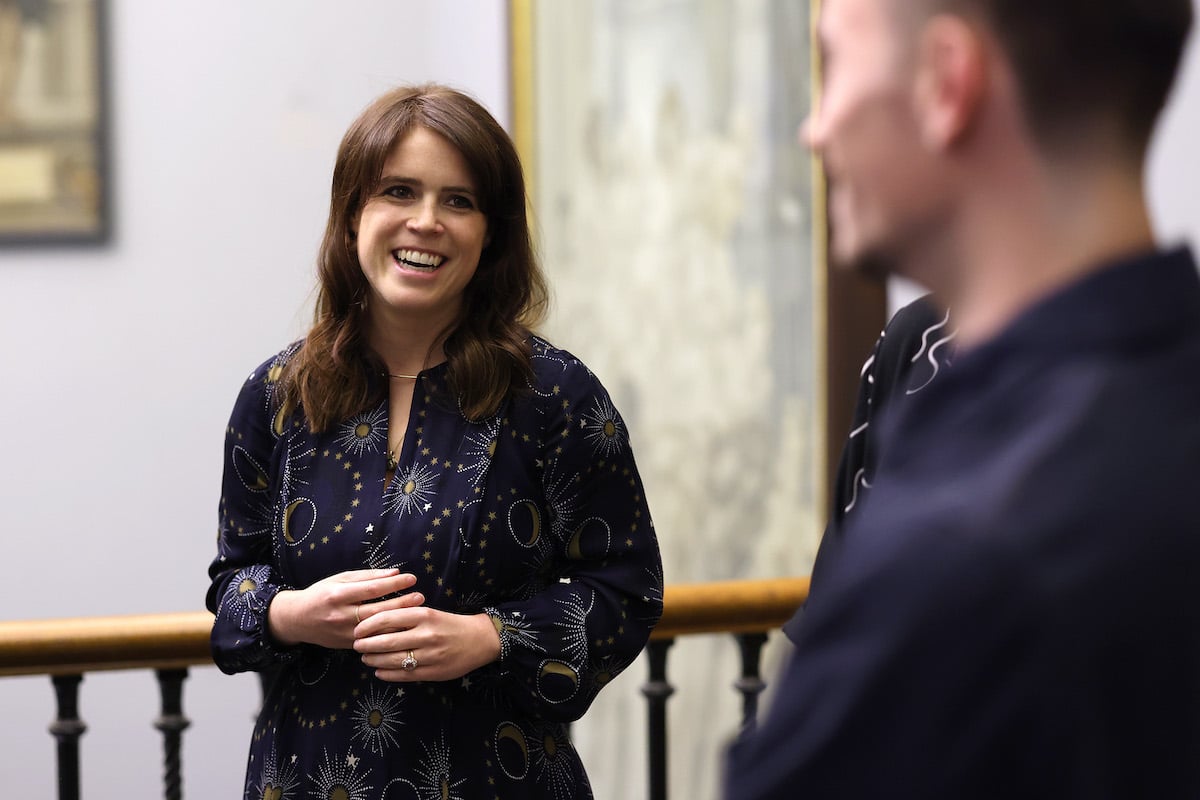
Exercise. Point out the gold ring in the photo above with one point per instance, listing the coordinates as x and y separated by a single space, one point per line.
357 619
409 663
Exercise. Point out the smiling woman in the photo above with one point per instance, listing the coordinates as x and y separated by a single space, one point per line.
408 489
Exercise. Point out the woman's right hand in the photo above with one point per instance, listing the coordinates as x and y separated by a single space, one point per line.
327 612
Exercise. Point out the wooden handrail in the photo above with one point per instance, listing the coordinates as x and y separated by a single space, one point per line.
729 606
85 644
143 641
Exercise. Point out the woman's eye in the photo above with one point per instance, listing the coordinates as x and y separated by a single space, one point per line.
399 192
461 202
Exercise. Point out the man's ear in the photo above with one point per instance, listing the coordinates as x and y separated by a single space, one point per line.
951 80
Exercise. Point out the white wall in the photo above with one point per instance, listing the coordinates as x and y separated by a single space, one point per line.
120 364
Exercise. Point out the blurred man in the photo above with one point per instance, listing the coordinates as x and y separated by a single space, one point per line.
1013 611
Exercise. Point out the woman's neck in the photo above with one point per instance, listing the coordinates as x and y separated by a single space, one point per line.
406 344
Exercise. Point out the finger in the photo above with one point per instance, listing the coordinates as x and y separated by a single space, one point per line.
389 641
391 584
358 575
404 676
368 610
412 613
372 590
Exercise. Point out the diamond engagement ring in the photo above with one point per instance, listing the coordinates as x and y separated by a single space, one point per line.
409 663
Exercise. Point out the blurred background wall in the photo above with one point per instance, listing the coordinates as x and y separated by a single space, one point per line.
120 364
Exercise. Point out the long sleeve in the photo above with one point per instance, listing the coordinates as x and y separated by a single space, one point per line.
244 576
600 588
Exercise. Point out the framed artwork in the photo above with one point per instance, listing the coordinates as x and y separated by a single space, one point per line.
682 227
53 149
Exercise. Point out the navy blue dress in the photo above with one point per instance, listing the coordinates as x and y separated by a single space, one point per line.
535 516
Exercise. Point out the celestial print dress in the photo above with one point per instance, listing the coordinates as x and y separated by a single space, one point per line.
535 516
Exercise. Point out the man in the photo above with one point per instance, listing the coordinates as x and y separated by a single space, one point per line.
1014 608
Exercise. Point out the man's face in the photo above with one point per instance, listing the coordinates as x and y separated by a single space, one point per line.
865 131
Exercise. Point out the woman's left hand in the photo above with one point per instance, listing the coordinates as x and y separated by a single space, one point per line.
444 645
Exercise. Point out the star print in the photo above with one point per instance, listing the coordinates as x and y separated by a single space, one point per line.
352 761
370 527
466 682
427 506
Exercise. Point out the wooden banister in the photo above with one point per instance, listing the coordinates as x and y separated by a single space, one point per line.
86 644
167 641
729 606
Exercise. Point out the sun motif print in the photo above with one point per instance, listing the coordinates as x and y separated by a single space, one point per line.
534 516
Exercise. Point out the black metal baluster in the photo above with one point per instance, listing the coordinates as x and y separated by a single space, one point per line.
67 728
172 723
657 690
750 684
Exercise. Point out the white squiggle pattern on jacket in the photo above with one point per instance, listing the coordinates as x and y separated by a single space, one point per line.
931 354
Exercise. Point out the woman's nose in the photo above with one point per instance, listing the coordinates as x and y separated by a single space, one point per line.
425 218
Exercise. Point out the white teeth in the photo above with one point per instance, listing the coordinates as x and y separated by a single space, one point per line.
415 258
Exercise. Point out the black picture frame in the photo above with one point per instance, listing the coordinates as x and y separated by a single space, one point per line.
55 176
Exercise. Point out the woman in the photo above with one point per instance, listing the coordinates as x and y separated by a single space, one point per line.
433 536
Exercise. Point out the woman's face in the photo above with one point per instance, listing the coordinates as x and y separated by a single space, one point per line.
420 235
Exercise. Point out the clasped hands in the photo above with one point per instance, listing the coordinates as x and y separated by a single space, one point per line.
344 611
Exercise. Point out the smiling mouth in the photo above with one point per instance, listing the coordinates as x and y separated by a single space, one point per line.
418 260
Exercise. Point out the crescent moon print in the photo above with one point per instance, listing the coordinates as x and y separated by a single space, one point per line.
525 523
249 472
557 681
590 541
512 751
299 519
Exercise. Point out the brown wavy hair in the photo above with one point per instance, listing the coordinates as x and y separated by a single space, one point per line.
335 374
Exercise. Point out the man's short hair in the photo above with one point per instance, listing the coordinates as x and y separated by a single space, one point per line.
1085 62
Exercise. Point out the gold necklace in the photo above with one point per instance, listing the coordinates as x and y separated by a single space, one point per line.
393 456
